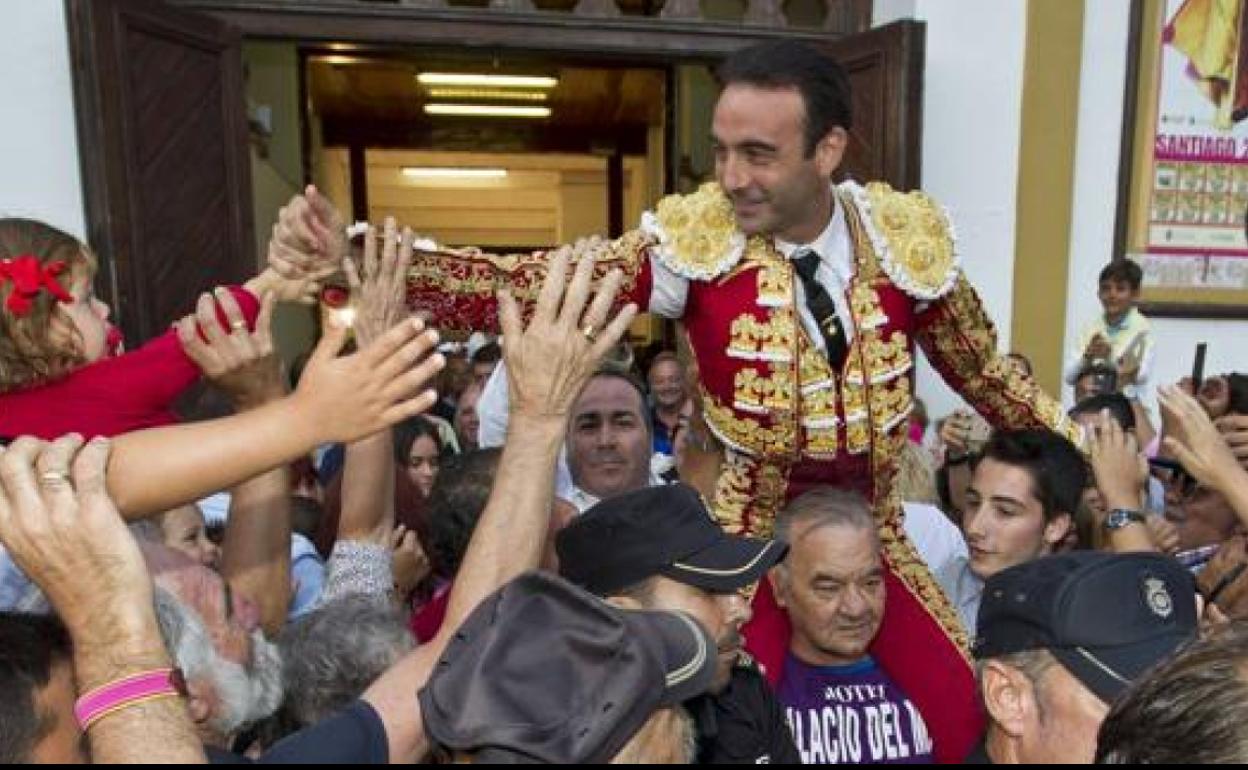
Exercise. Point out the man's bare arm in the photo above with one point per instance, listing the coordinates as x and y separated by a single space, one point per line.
548 365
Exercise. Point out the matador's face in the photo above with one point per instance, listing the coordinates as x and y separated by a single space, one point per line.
762 162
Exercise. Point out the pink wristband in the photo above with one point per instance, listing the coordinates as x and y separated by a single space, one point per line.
125 692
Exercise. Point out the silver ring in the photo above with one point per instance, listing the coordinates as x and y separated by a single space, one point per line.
590 333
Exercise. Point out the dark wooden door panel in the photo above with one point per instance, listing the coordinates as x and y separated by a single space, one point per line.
885 67
163 139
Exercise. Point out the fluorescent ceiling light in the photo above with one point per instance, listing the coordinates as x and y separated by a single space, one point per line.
488 93
340 59
439 172
476 79
487 110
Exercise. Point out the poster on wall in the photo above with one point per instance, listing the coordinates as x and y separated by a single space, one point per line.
1188 190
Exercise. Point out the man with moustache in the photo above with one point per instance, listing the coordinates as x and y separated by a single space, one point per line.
659 549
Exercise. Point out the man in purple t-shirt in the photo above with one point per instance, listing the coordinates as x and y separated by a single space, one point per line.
841 707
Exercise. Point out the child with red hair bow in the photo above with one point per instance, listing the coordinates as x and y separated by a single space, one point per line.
62 365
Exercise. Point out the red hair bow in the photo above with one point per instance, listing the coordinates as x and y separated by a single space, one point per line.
28 276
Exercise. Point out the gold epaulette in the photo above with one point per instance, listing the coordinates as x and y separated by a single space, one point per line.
696 235
912 237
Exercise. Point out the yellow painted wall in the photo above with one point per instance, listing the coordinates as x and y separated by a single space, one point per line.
1046 183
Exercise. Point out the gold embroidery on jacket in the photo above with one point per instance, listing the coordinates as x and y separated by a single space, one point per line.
771 339
732 490
775 283
747 434
886 359
745 332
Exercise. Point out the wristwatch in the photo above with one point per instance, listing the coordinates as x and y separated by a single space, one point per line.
1121 517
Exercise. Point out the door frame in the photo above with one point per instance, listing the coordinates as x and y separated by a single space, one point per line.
641 40
645 38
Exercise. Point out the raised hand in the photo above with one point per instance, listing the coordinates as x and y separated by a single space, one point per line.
355 396
1120 470
309 240
63 531
1223 583
244 364
408 562
550 361
1234 429
380 292
1098 347
1193 440
1163 533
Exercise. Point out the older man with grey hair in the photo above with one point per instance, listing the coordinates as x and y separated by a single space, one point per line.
842 707
233 674
335 652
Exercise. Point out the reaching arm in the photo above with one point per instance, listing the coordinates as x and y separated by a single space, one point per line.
1121 475
456 289
307 245
255 557
1196 443
339 399
548 363
961 343
368 474
68 538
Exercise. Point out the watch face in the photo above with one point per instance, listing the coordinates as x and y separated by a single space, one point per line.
1120 518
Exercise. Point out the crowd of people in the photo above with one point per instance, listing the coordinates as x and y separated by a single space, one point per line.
548 545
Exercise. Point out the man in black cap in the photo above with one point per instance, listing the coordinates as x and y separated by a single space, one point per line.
659 548
1061 637
545 672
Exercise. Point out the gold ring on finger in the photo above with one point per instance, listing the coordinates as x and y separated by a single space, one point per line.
54 478
590 333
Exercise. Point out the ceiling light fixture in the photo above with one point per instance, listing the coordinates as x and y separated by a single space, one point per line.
440 172
487 81
339 59
487 111
488 93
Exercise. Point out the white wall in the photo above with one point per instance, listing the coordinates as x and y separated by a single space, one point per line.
972 102
1101 87
1103 71
38 141
884 11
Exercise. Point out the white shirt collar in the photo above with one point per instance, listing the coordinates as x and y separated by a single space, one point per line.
825 244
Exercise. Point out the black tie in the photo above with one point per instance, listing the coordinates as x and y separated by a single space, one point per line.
821 307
